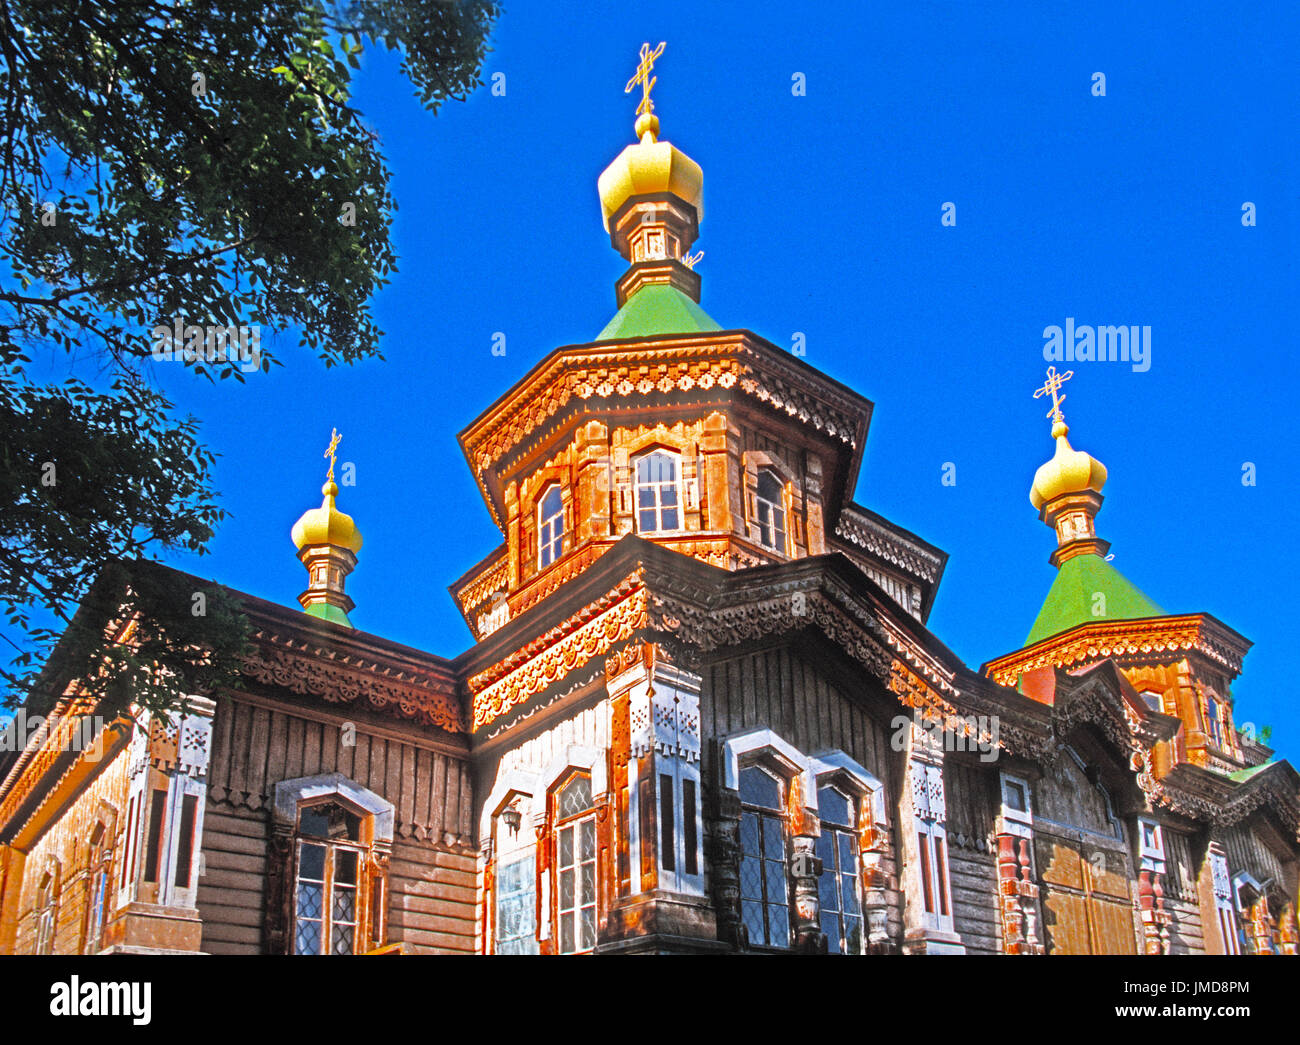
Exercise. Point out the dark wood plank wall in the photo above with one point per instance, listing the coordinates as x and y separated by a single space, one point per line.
1183 862
971 795
777 689
1245 852
431 884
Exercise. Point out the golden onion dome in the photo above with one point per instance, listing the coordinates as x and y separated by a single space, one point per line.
1069 471
327 525
650 166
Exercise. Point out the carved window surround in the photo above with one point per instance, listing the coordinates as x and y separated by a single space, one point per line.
376 838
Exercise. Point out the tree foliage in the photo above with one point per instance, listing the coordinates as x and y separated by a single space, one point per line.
165 163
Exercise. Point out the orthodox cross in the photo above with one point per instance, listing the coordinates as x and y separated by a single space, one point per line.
1053 385
644 78
331 451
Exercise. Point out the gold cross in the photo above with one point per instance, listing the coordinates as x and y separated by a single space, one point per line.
644 78
1053 385
331 451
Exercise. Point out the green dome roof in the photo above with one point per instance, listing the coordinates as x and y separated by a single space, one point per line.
657 308
1072 598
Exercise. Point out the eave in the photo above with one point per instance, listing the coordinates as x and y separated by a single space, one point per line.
1127 641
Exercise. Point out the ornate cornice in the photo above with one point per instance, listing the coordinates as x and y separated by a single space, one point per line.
887 546
314 670
1125 641
592 632
730 362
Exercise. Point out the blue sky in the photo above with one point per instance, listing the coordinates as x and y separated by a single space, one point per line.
822 216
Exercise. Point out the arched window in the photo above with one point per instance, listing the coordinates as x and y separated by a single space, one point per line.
97 877
47 905
658 497
840 883
550 526
1213 720
327 882
575 865
770 506
764 887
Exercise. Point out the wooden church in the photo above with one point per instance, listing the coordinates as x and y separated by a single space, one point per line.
703 711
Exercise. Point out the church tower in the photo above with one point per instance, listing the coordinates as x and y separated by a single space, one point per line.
1180 665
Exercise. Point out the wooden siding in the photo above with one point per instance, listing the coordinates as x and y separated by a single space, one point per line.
971 795
431 871
777 689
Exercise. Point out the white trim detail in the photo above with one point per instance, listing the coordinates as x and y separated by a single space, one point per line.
289 794
837 761
755 740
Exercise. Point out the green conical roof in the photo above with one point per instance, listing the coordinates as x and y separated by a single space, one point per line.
327 612
1074 598
657 308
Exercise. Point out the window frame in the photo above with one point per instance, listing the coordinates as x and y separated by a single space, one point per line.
47 908
675 457
375 837
574 822
778 815
99 888
782 545
853 831
332 847
553 540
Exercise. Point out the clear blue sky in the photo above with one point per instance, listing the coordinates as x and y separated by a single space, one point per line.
822 216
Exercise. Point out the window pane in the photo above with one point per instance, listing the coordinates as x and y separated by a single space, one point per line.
566 846
773 840
345 867
669 517
552 502
751 878
834 806
307 938
587 929
566 932
588 884
778 925
749 832
759 788
309 900
567 882
848 851
751 913
775 874
575 797
345 905
828 891
343 937
831 927
588 829
850 894
312 863
769 488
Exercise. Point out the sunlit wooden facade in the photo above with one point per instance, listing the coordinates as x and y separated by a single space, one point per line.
702 710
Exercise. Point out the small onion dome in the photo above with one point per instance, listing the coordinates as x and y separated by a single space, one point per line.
327 525
1069 471
650 166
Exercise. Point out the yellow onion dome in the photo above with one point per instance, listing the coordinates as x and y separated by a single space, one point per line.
650 166
327 525
1069 471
